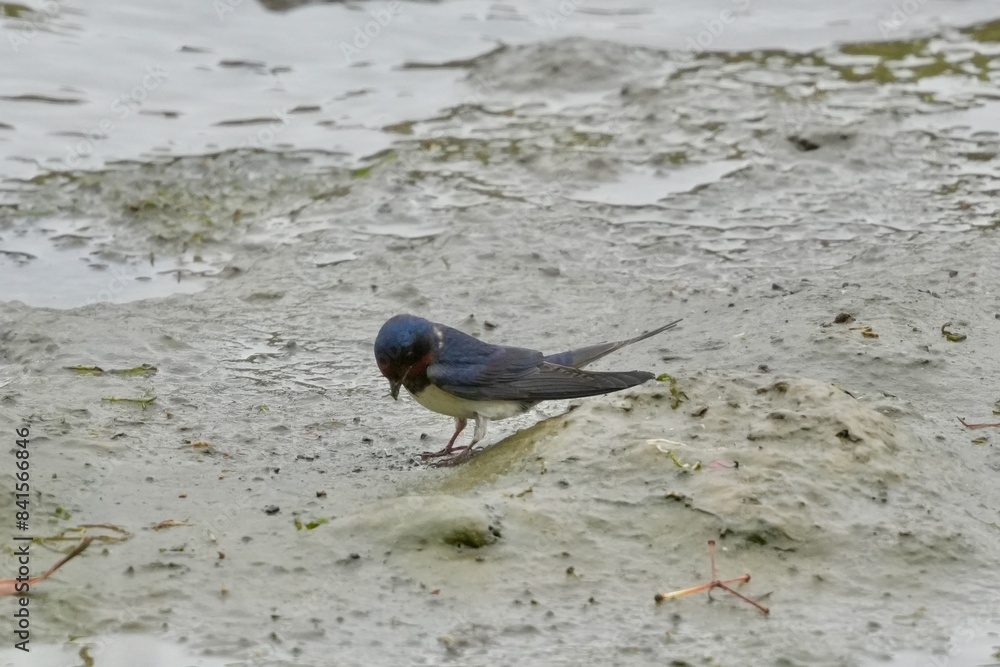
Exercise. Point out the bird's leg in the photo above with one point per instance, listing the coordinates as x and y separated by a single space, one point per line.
462 457
480 432
450 448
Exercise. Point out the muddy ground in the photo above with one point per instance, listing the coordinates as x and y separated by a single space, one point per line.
575 190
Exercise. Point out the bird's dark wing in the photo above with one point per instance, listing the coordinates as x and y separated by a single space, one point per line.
462 360
471 369
544 382
581 357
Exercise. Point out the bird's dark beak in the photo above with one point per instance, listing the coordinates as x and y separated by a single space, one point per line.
394 386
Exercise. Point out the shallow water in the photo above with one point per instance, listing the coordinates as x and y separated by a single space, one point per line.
592 176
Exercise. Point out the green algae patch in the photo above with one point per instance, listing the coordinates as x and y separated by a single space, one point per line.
86 370
142 400
144 369
471 536
680 464
985 32
677 395
951 335
362 172
312 524
14 10
200 206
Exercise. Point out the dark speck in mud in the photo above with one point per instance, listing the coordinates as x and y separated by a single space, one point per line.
843 318
952 273
272 509
803 144
776 287
367 439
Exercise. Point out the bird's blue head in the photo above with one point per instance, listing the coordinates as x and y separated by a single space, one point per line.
403 342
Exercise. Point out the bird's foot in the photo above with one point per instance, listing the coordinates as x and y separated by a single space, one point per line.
459 458
447 451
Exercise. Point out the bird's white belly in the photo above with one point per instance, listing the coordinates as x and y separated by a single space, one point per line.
441 401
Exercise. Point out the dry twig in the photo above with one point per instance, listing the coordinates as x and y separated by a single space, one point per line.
968 425
714 583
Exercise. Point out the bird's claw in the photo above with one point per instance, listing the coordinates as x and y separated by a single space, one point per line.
459 458
447 451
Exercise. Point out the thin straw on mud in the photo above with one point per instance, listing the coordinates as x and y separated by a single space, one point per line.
984 425
9 586
714 583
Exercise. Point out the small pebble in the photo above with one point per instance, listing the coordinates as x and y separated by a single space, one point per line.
272 509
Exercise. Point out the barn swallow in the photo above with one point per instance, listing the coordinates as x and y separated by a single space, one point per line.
451 372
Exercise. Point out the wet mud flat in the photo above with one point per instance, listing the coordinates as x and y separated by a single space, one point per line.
866 519
275 508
